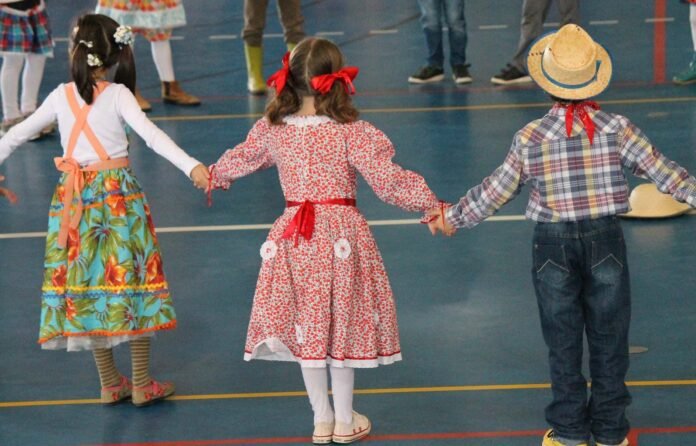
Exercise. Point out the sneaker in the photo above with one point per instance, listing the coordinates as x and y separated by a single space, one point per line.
155 391
510 75
7 124
427 74
118 393
350 433
551 439
323 433
460 74
687 76
623 443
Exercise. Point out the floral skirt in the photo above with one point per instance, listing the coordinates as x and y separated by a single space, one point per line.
107 285
152 18
25 31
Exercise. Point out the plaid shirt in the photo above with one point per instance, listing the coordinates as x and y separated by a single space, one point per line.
571 178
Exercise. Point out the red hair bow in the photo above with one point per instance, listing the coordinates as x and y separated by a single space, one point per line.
346 75
581 110
280 77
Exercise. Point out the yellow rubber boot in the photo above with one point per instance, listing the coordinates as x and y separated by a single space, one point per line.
256 84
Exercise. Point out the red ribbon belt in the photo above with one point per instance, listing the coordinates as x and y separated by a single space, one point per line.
581 110
303 221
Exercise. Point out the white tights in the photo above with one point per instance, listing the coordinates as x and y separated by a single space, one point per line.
31 81
342 381
162 56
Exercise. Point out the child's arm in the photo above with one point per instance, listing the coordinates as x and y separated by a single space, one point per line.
644 160
7 193
371 153
154 137
31 126
244 159
484 200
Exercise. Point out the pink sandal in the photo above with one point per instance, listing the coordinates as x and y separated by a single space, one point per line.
118 393
153 392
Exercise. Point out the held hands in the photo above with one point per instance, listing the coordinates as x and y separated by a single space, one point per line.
200 177
7 193
435 218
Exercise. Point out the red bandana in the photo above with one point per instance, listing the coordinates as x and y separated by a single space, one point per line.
280 77
581 110
346 75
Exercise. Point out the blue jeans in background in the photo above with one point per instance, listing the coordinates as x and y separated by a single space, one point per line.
431 20
581 281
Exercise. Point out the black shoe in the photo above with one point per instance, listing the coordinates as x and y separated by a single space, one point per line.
427 74
511 75
460 74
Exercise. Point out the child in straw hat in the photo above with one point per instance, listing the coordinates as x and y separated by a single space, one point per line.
573 158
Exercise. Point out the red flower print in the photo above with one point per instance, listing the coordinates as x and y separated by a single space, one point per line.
90 176
59 275
73 245
70 311
117 205
112 184
114 274
154 269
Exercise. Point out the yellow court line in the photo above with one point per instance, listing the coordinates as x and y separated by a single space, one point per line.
385 391
482 107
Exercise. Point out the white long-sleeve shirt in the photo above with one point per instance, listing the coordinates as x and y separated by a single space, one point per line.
113 109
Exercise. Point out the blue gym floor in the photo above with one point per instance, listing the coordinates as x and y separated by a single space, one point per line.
475 368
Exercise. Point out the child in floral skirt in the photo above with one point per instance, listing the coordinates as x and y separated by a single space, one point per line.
103 281
323 298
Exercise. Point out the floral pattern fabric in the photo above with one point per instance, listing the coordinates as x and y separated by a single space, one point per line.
328 299
154 19
108 281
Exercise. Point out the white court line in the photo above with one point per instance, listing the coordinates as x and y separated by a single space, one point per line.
274 35
223 37
659 19
488 27
330 33
384 31
61 39
552 25
176 38
603 22
218 228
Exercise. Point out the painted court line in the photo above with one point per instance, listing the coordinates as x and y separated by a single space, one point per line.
481 107
659 19
384 391
604 22
253 227
491 27
384 31
223 37
633 436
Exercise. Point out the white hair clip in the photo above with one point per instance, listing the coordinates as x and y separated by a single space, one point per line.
87 43
124 36
93 60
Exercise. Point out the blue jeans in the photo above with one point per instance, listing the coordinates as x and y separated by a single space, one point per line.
581 281
431 20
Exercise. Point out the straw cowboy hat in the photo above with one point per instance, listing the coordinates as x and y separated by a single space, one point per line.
648 202
569 65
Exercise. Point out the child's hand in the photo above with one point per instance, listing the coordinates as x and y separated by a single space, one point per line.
7 193
438 222
200 177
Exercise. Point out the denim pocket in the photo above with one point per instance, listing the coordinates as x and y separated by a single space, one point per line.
550 263
608 259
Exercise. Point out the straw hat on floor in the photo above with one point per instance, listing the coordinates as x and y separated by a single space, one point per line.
648 202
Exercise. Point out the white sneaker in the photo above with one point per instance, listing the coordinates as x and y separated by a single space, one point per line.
323 433
349 433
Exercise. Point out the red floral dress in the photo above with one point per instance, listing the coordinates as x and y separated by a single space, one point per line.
326 299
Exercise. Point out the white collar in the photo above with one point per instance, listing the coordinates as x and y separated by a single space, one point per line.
306 120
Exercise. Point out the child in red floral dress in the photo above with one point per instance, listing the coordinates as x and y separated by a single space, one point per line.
323 297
